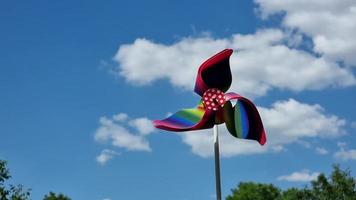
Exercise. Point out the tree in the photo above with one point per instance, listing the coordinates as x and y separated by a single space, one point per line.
255 191
17 192
340 185
53 196
296 194
9 191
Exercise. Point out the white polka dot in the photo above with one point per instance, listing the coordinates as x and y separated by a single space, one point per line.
213 104
209 108
209 94
206 98
207 103
219 96
215 109
213 90
221 101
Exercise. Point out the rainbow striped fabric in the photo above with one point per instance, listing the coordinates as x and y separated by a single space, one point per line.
183 120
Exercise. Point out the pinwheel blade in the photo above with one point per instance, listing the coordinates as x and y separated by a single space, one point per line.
243 120
214 73
187 119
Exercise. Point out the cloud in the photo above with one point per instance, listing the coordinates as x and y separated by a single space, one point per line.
341 144
353 124
201 143
302 176
304 144
286 122
105 156
330 24
116 131
143 125
262 61
321 151
120 117
345 154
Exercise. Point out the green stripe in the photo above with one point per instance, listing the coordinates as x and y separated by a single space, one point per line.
238 123
192 115
229 118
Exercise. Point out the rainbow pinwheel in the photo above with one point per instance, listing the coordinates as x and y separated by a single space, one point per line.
213 80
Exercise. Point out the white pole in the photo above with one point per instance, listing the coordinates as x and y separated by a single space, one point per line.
217 163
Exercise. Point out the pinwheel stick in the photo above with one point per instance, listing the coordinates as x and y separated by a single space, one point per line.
217 163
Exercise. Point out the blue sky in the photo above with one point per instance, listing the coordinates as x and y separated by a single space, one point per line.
80 82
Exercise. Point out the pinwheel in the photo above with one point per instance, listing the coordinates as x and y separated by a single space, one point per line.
213 80
215 107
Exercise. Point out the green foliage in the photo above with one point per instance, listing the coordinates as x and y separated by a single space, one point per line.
17 192
4 172
53 196
12 192
340 185
296 194
255 191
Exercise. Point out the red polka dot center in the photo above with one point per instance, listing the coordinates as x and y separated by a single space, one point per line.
213 99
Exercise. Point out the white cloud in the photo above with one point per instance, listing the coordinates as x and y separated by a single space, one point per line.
115 130
345 154
105 156
143 125
201 143
330 23
353 124
321 151
285 122
145 61
305 144
341 144
262 62
302 176
121 117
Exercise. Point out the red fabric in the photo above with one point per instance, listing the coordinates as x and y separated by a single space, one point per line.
200 84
